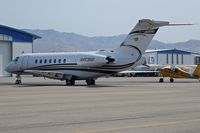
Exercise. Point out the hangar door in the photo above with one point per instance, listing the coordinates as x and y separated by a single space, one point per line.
5 57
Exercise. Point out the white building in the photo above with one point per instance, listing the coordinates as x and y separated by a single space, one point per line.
13 42
172 57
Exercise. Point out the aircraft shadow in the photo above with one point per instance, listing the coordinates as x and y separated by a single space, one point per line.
56 85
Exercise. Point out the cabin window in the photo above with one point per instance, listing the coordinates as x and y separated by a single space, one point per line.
45 61
49 60
64 60
101 50
40 61
36 61
54 61
59 61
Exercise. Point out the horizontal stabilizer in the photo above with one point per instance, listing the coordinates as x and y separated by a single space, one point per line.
157 24
179 24
151 24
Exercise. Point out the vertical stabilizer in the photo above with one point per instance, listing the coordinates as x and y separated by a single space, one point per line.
142 34
196 72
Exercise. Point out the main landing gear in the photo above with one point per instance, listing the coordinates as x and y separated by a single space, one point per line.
90 82
18 80
161 80
70 82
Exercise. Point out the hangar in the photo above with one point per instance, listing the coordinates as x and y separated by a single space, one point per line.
13 42
172 57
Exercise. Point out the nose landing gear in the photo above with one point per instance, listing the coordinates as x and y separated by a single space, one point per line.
18 80
171 80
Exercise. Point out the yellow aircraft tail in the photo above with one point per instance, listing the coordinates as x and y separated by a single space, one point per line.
197 71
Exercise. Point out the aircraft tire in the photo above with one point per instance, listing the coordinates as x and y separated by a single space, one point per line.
70 82
161 80
18 82
90 82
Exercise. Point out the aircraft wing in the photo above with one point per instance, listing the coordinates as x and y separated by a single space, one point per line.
131 73
49 74
127 72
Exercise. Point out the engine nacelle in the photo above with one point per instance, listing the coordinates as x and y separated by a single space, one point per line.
93 60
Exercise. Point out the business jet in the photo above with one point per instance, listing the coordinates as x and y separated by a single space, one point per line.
88 66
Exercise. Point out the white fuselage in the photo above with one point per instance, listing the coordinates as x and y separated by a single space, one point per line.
81 65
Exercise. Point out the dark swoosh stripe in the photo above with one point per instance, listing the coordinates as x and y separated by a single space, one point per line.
152 31
116 68
67 64
140 53
66 68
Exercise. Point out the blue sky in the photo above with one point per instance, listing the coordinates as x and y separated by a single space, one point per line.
103 17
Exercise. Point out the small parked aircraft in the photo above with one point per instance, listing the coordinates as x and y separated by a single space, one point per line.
179 72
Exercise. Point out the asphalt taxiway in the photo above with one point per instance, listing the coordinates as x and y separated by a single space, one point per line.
114 105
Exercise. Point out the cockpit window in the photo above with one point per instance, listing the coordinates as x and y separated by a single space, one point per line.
16 59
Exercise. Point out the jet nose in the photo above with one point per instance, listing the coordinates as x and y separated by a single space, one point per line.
9 67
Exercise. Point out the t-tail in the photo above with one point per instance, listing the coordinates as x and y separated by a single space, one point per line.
142 34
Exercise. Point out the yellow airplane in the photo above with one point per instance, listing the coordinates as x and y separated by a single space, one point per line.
192 72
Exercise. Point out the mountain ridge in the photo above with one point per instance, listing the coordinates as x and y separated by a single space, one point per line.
55 41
